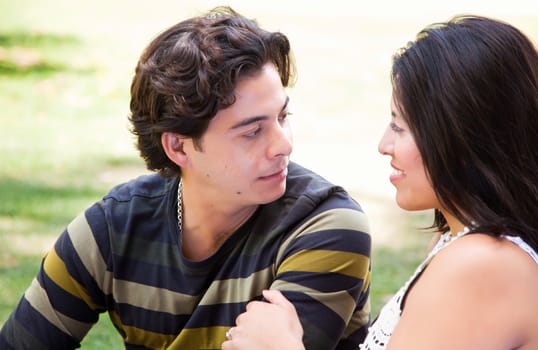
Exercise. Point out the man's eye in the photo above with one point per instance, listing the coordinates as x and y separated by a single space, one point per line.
285 115
253 132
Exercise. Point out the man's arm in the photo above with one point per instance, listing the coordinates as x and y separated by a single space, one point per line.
324 270
59 307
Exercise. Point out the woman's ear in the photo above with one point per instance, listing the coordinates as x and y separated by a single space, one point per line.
174 147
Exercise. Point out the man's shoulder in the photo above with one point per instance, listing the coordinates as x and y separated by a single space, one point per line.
144 186
309 195
301 179
303 182
147 196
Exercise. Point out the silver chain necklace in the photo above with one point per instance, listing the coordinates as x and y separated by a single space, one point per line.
180 206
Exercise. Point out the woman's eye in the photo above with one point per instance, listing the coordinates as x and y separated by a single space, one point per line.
395 127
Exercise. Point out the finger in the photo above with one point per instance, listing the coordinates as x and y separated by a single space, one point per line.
229 333
255 304
276 297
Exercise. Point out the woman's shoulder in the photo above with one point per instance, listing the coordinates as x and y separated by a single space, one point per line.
483 254
483 261
484 280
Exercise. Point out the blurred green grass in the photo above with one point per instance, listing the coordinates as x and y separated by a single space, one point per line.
65 70
64 141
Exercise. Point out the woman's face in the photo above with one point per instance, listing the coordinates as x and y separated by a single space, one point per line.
413 187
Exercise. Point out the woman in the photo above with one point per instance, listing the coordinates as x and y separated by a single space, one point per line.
462 141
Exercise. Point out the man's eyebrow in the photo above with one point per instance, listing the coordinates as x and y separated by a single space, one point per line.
255 119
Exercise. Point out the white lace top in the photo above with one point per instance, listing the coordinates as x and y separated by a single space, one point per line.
379 333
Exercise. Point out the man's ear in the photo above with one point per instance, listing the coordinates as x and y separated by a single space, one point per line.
174 147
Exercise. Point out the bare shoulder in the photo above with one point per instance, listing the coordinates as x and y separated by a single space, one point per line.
481 255
479 263
479 287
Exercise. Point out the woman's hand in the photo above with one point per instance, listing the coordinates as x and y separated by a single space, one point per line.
271 325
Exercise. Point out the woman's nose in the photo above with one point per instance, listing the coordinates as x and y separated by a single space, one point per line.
386 144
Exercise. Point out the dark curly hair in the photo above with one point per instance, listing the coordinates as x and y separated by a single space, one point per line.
189 72
468 89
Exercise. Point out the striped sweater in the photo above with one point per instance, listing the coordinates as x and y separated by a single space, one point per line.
123 256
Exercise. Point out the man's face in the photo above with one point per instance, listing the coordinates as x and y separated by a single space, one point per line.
245 151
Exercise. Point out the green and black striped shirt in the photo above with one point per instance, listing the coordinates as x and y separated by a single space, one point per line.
123 256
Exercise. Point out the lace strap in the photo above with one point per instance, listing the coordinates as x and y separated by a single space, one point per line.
523 245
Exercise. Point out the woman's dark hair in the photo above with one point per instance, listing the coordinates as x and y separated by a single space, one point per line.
468 89
190 71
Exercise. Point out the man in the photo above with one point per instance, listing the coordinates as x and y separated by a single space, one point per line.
175 256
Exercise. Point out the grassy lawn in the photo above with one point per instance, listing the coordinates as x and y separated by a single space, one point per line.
65 71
